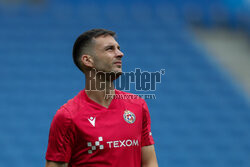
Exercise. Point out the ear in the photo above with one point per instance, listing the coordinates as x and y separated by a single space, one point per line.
87 61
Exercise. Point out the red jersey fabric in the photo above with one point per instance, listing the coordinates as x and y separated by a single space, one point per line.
85 134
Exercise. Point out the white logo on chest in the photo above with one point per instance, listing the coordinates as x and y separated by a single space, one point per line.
92 121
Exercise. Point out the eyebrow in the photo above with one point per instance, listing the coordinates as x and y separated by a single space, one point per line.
111 45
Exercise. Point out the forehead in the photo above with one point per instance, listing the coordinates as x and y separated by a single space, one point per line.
103 41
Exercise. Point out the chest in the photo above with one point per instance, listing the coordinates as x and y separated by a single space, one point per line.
118 127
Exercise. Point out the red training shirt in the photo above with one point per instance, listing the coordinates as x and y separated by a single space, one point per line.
85 134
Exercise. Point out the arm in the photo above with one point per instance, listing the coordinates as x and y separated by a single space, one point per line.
61 140
56 164
149 157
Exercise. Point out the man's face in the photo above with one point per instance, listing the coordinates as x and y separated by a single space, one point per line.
107 54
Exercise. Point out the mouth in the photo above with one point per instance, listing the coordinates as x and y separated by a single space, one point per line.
118 63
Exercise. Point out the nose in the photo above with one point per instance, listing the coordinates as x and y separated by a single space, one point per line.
119 53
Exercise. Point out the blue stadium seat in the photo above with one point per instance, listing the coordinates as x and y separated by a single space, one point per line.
199 117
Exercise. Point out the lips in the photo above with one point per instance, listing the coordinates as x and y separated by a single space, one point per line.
118 62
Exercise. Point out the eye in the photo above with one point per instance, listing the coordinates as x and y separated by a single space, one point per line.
109 48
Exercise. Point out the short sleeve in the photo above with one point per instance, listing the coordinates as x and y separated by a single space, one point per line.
147 138
61 137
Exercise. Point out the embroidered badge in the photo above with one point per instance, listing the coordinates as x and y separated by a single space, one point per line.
129 117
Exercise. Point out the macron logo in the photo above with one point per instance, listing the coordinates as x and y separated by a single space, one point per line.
92 121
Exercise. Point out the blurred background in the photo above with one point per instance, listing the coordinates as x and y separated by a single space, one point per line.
201 114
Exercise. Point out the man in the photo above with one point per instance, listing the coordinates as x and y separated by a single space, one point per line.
91 130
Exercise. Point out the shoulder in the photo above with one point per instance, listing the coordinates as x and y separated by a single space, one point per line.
62 120
72 106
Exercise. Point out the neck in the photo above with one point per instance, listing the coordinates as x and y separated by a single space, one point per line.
98 87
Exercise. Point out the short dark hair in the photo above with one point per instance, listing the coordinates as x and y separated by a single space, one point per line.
83 43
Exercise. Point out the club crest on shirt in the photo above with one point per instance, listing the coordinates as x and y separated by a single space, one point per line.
129 117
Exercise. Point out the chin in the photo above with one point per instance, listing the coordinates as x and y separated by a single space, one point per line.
117 70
